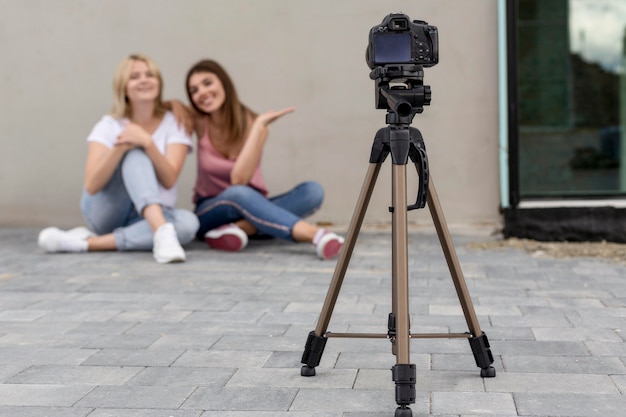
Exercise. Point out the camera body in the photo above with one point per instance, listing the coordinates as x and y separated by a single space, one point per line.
398 40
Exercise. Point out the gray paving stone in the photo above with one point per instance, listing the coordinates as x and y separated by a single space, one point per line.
582 319
223 358
7 371
75 375
210 329
42 356
485 403
564 364
576 334
620 382
571 405
550 318
542 348
121 341
67 340
606 348
97 328
551 383
295 318
39 328
134 357
291 378
241 398
155 397
23 411
79 316
270 414
22 315
183 376
185 341
42 395
117 412
161 316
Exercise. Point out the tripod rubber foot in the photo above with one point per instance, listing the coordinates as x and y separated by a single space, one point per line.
488 372
403 412
307 371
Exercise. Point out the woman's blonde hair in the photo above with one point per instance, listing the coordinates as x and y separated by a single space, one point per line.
121 106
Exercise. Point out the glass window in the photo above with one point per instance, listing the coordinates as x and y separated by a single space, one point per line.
571 94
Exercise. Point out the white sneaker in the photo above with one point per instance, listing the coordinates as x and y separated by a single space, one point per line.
166 247
81 232
228 237
52 239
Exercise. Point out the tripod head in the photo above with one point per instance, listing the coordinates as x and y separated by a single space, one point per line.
400 89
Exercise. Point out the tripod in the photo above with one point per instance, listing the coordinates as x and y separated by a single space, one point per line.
402 141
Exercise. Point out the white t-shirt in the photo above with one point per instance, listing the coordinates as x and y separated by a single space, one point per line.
108 129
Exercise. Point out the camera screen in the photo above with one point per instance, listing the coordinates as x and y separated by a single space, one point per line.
395 48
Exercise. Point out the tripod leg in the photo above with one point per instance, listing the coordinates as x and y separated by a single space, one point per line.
403 373
478 341
317 341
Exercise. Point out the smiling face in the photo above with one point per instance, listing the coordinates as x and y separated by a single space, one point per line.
143 84
206 91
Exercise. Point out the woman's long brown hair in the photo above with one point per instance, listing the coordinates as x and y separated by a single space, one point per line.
235 113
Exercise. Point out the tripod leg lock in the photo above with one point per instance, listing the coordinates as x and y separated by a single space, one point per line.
482 354
404 376
391 327
313 350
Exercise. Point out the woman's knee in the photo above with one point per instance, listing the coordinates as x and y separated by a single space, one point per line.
314 192
239 193
102 215
134 156
186 225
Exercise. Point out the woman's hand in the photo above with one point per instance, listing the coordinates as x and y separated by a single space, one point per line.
134 136
248 158
270 116
184 115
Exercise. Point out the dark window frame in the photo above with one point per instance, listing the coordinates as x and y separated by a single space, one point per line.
513 122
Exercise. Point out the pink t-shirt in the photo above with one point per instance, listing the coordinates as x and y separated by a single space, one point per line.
214 170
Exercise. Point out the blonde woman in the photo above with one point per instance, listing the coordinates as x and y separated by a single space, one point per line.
135 156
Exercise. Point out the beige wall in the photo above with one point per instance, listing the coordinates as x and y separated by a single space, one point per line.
58 59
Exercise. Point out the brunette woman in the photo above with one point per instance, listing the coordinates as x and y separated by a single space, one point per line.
231 198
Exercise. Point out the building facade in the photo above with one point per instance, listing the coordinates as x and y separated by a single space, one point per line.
523 132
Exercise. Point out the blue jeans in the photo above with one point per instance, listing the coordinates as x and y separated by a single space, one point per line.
116 208
274 216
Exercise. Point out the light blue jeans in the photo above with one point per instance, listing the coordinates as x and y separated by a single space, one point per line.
115 209
274 216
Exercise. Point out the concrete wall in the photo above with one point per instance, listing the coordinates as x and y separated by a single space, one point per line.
58 59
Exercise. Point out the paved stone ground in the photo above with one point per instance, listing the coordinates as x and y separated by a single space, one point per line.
117 335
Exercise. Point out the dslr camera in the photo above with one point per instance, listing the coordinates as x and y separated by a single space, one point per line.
398 40
397 53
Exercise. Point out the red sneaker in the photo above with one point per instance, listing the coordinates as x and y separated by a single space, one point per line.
329 245
228 237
